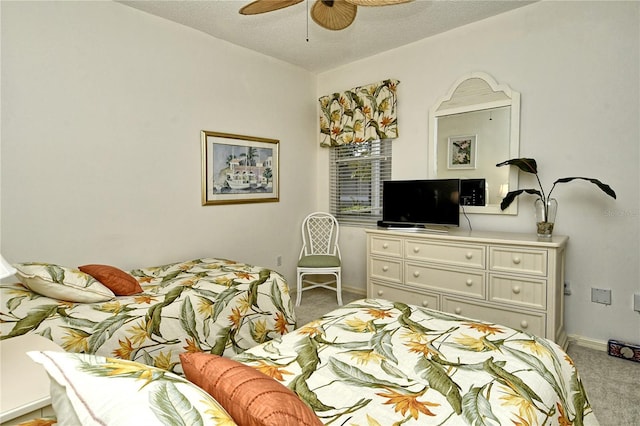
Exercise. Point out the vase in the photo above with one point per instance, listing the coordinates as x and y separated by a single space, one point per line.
546 216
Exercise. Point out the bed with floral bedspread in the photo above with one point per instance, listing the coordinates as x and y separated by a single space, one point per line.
211 305
375 362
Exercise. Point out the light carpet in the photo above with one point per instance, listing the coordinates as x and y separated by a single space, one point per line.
612 384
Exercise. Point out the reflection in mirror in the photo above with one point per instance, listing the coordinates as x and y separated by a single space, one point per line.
473 128
488 131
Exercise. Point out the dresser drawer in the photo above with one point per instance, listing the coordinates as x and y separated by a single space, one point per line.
410 297
517 260
467 255
518 291
530 322
385 269
470 283
386 246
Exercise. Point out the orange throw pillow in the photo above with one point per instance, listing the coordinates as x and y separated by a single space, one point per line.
118 281
249 396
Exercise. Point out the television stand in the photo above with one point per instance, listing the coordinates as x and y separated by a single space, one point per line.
420 229
504 278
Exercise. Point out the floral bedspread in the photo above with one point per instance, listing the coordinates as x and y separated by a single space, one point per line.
210 305
375 362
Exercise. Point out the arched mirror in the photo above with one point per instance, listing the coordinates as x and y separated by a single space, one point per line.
472 128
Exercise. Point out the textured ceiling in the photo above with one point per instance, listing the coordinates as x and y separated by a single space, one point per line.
290 35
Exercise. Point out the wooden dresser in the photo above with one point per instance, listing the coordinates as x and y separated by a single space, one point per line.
505 278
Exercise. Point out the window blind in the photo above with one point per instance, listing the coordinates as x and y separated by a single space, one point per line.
357 171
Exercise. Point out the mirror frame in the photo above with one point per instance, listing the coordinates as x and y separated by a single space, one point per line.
459 101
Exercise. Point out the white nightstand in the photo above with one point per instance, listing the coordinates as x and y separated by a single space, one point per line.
24 384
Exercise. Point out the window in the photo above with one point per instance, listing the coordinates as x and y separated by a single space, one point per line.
357 171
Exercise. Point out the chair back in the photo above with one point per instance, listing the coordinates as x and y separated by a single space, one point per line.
320 235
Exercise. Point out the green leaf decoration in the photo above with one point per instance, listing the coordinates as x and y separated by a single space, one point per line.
511 381
32 320
580 401
476 409
355 376
171 276
381 343
539 367
154 314
103 330
171 407
221 341
392 370
301 388
308 361
603 186
511 196
528 165
14 302
439 380
405 320
263 276
188 318
56 273
222 300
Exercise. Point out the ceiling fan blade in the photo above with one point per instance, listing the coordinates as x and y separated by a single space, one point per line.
333 14
262 6
377 2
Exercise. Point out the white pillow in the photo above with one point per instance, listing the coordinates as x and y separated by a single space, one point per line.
92 390
62 283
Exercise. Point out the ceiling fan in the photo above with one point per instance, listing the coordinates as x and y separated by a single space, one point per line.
329 14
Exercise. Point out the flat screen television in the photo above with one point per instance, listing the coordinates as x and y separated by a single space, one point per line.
421 203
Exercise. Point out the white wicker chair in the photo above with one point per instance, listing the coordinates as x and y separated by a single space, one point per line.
320 254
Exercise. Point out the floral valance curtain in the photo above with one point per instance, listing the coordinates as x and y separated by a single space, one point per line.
361 114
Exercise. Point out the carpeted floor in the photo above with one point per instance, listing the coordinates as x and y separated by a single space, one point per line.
612 384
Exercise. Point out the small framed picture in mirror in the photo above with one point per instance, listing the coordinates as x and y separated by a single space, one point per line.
462 152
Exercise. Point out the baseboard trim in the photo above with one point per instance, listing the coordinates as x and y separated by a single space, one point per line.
355 290
588 343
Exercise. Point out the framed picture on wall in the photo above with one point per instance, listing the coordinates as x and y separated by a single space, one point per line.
462 152
239 169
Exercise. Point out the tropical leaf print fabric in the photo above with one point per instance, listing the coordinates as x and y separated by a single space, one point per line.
93 390
361 114
212 305
375 362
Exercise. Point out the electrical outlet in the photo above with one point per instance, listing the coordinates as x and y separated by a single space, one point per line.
279 260
601 295
567 288
636 302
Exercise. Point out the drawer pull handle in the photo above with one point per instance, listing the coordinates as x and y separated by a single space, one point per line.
469 282
469 255
380 292
516 290
385 246
385 268
425 303
524 324
416 274
416 249
516 260
458 310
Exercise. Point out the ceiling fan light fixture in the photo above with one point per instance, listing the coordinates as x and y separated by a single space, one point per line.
333 14
263 6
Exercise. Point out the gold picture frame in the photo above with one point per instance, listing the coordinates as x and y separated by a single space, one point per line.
239 169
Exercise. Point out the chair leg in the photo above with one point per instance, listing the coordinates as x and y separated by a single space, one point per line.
299 292
339 288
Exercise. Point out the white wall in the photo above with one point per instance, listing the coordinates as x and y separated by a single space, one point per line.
576 65
102 108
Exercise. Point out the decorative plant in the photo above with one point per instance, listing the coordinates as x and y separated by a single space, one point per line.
529 165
